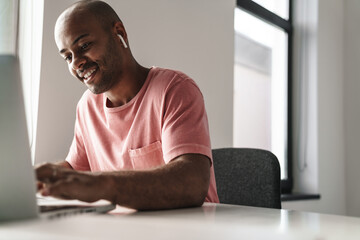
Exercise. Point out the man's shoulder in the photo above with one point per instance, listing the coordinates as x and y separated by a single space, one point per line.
89 99
168 74
165 78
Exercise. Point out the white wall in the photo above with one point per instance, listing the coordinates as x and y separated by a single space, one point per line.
195 37
330 120
339 113
58 96
351 104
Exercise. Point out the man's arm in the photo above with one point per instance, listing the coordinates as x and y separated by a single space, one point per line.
183 182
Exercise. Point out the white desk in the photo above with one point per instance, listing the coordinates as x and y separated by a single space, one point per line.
212 221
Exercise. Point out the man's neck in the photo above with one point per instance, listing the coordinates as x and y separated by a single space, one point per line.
130 84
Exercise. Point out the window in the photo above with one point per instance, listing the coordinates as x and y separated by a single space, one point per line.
29 49
21 35
262 79
8 23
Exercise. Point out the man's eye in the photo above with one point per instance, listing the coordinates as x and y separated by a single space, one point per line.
85 46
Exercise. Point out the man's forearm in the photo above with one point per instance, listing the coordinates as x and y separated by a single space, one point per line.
183 182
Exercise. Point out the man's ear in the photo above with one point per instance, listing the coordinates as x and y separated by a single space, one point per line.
119 29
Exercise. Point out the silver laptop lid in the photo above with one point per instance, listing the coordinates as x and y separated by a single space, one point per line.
17 180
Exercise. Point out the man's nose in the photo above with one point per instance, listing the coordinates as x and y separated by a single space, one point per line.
78 63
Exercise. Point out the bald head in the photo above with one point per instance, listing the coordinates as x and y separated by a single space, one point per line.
101 11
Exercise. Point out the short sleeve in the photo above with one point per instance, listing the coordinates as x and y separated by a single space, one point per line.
185 126
77 155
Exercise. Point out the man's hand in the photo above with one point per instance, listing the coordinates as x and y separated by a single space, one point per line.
61 182
40 185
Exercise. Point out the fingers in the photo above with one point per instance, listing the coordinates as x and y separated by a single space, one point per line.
50 172
58 190
55 180
65 188
45 172
61 182
73 186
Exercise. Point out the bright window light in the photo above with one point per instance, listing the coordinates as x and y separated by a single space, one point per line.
260 86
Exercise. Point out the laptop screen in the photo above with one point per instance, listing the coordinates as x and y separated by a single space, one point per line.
17 180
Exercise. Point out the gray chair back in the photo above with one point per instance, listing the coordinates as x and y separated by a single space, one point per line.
248 177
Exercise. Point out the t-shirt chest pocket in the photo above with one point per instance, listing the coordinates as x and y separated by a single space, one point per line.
147 157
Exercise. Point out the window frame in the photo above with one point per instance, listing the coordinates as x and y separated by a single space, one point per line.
264 14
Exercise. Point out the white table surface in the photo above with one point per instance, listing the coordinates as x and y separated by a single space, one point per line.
211 221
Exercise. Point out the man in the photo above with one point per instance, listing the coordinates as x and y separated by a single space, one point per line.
141 134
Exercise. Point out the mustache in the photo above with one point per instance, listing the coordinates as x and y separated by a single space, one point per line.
86 66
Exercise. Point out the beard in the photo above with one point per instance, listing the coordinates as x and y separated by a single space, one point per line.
108 67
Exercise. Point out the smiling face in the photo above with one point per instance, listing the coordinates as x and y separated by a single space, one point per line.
91 52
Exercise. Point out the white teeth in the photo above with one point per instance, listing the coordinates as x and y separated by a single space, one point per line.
89 73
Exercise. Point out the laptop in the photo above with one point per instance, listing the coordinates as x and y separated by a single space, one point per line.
17 176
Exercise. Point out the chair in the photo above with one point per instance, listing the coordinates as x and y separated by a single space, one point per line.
247 176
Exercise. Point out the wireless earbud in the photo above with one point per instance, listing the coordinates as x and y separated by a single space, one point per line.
123 41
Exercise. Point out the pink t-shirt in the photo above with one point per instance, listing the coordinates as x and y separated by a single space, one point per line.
166 119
